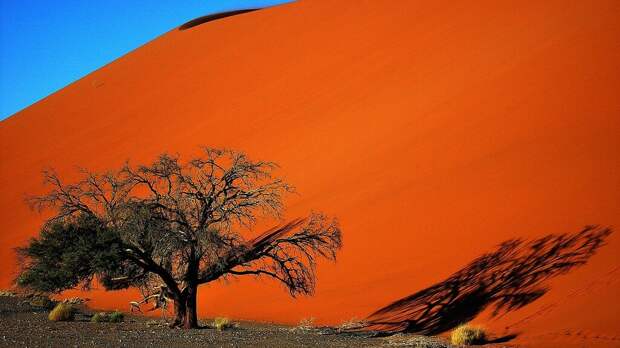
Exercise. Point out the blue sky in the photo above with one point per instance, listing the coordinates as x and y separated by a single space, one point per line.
47 44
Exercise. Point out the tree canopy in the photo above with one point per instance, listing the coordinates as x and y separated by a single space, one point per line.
171 226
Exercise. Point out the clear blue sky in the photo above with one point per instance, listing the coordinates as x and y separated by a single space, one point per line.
47 44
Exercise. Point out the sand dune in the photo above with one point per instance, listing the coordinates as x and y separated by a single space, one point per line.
433 131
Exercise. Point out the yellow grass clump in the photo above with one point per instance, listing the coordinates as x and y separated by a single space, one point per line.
62 312
222 324
468 334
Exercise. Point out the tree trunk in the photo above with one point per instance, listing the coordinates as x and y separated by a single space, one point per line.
180 312
186 316
191 319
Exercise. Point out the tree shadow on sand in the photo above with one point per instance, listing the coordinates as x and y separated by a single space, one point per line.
507 279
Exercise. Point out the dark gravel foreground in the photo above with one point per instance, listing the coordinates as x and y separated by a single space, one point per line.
22 325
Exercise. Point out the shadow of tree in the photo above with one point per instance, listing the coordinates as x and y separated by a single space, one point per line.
507 279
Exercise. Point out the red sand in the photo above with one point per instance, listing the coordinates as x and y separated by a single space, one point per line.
433 131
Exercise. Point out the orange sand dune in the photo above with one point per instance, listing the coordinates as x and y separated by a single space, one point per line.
433 131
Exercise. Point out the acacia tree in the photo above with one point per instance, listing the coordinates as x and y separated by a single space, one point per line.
168 227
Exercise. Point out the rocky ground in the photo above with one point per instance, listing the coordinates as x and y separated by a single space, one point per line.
25 325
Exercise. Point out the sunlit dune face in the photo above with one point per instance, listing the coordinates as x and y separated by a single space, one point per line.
432 132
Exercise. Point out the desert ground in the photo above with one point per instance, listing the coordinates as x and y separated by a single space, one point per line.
22 325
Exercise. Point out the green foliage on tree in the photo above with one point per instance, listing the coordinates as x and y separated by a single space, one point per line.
68 253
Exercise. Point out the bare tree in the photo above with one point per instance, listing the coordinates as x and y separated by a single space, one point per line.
177 226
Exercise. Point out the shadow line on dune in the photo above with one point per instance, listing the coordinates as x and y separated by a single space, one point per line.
212 17
507 279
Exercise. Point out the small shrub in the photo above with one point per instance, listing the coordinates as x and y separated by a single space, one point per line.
62 312
101 317
467 334
222 324
117 317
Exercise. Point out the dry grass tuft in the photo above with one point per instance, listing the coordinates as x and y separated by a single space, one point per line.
76 300
305 325
466 334
352 324
222 324
62 312
7 293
